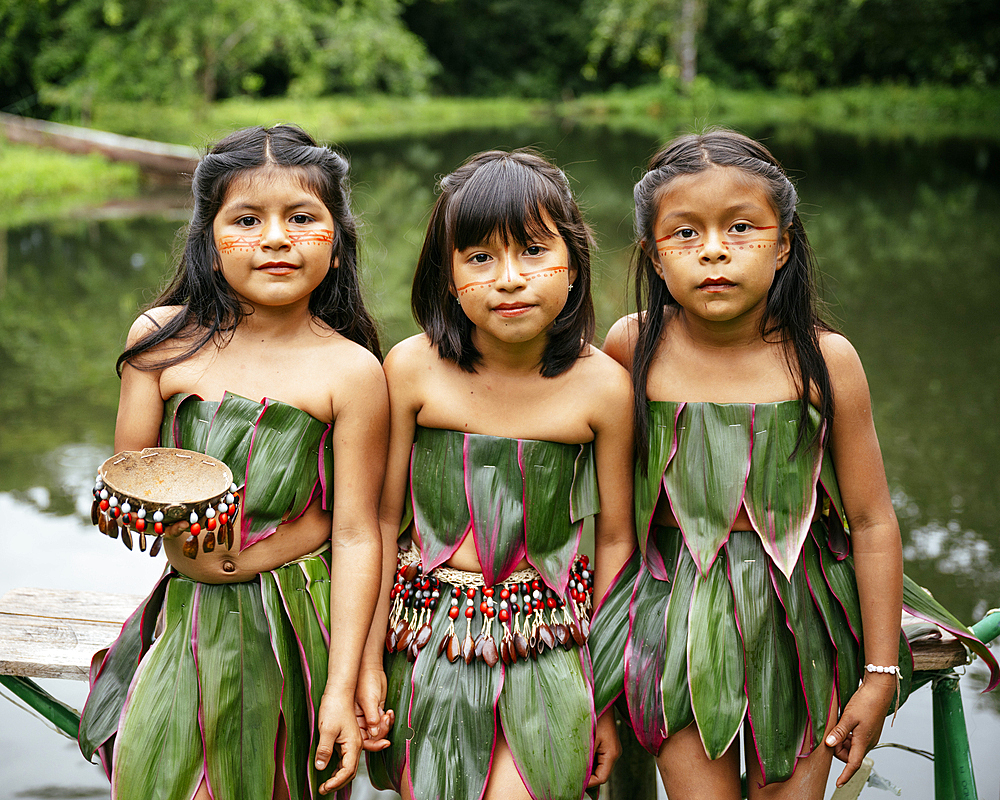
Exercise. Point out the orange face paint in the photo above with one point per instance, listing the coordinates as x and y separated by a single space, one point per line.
528 276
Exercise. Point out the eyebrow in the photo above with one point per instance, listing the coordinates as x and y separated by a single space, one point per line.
739 207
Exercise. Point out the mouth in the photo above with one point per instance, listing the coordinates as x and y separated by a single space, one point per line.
276 268
716 284
511 309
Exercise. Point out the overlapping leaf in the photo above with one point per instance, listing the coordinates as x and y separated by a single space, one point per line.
494 487
706 478
385 768
781 492
715 661
159 733
237 676
551 540
437 492
548 713
584 499
608 632
776 708
451 711
662 446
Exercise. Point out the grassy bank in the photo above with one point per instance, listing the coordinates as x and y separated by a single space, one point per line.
886 113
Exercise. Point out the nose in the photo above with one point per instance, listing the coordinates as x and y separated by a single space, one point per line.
509 274
274 235
715 249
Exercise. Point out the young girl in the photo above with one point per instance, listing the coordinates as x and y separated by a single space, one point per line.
505 423
261 353
759 471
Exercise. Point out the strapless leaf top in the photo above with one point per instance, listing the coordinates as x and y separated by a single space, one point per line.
711 459
281 455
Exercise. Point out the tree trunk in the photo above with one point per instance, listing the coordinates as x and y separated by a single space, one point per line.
688 40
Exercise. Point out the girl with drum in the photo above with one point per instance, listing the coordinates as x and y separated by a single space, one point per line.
236 678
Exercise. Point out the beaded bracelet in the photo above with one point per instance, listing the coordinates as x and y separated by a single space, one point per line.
893 670
875 668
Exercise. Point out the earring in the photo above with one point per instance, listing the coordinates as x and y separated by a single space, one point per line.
571 287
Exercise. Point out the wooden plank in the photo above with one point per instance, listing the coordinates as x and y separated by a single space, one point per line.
168 159
47 633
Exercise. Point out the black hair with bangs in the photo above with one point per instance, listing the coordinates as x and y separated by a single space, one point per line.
792 314
506 196
208 306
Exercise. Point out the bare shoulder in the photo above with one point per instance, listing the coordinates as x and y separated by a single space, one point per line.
605 378
847 375
150 321
411 358
621 339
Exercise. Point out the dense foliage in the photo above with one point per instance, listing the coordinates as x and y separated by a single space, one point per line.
71 51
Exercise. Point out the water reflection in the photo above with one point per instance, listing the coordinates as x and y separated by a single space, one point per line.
906 236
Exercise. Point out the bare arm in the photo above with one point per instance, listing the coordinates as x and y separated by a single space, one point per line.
621 339
404 405
140 404
875 541
359 446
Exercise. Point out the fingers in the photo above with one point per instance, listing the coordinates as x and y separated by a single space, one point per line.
607 748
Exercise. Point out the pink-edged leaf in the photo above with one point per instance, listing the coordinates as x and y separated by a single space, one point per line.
919 602
385 767
111 676
835 620
609 627
494 488
237 677
584 499
547 709
706 478
437 493
158 733
781 491
675 692
452 714
776 708
187 429
837 524
645 653
551 539
282 469
662 446
715 661
813 645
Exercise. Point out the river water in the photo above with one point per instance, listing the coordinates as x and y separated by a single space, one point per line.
908 242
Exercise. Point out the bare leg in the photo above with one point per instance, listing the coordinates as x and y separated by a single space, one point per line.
689 774
808 782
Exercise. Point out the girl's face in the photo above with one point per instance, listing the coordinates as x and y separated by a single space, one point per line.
512 293
718 243
274 237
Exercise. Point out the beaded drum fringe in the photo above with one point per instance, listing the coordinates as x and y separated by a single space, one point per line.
529 616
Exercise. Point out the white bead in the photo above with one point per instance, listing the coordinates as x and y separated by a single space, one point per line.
141 513
157 516
193 517
112 501
210 512
126 507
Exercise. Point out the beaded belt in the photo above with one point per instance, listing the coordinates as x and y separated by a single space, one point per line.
530 617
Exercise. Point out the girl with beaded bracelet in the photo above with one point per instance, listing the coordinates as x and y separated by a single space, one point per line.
508 430
771 556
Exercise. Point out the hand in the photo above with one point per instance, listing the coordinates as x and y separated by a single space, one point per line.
338 730
607 748
369 701
859 727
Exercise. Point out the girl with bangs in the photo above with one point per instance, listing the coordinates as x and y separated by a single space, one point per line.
508 430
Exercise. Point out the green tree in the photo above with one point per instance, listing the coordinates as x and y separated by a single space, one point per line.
164 51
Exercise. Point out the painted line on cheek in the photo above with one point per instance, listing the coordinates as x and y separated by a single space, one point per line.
237 244
471 287
747 244
321 236
548 272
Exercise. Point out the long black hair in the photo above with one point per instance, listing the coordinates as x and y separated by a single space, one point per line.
792 309
506 195
208 306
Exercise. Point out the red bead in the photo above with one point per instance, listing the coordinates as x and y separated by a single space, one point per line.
470 593
158 527
104 505
232 510
488 591
211 524
469 612
504 615
116 512
223 518
504 593
195 529
550 602
140 525
483 607
536 585
453 612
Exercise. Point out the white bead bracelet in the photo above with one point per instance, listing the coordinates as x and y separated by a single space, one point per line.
876 668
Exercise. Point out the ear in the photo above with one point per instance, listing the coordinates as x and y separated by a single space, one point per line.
784 248
654 258
336 262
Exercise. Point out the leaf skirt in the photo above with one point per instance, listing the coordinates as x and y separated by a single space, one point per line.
218 683
739 645
447 713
